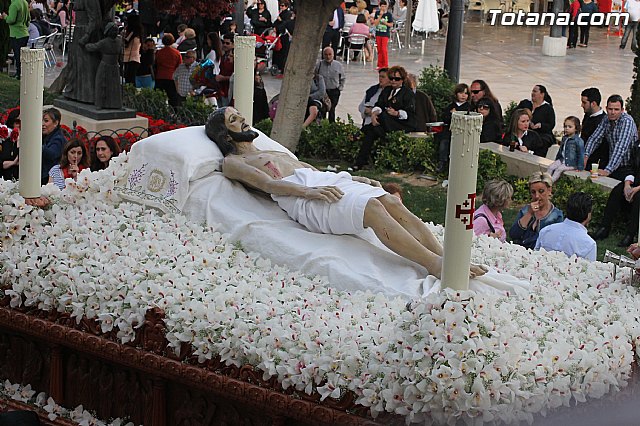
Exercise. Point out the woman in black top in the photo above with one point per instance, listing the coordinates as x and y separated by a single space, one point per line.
543 115
491 131
260 17
520 138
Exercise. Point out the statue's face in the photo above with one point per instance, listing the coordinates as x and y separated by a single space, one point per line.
234 121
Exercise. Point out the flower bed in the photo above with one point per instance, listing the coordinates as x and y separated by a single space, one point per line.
454 355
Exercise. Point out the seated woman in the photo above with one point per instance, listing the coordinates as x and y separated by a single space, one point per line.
496 196
315 105
536 215
543 118
519 137
491 131
189 42
106 148
361 28
74 160
10 147
52 141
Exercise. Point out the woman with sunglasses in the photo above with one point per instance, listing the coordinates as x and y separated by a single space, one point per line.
543 118
491 131
260 17
536 215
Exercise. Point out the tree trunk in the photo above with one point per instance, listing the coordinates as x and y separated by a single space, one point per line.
312 17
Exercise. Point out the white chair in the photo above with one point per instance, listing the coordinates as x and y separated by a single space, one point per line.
524 5
49 51
357 40
477 5
398 28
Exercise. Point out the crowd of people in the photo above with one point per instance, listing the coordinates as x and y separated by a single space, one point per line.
62 155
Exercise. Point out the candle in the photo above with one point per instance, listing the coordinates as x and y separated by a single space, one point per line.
243 67
461 194
31 92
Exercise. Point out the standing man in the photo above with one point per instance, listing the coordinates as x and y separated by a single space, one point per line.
334 78
620 132
18 20
633 8
182 74
331 35
590 100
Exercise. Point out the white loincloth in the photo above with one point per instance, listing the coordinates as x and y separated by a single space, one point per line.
343 217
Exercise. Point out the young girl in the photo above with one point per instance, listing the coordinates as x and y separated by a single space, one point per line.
571 153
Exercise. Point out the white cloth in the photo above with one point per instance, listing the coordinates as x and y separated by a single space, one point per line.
343 217
426 19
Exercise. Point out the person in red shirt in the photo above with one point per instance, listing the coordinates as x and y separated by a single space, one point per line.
167 61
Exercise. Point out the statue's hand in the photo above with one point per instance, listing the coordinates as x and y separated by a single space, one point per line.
330 194
366 181
83 40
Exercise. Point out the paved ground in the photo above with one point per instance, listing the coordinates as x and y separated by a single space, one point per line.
509 59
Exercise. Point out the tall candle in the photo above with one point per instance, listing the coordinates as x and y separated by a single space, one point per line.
31 92
243 64
461 196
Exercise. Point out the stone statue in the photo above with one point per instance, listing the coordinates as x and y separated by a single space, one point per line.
107 77
324 202
83 64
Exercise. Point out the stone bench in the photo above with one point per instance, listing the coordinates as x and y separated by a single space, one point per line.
523 164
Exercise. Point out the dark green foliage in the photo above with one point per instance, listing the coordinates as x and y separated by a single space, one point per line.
566 186
265 126
331 141
435 82
633 103
10 93
508 111
155 103
490 166
402 153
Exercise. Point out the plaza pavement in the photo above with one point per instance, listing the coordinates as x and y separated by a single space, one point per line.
509 59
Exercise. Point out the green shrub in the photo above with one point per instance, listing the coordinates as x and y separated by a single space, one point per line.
155 103
265 126
402 153
507 113
567 185
330 141
435 82
490 166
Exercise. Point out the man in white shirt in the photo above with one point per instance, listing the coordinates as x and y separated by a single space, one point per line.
570 236
633 8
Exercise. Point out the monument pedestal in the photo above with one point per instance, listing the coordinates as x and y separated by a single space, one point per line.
96 120
554 46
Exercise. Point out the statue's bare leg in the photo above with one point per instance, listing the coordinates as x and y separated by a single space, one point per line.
412 223
398 239
414 226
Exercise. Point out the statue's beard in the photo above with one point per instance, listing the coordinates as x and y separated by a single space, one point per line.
247 136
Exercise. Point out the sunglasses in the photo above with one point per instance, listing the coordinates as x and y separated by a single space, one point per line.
483 106
475 92
395 78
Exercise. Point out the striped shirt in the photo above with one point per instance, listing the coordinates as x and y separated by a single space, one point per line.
58 178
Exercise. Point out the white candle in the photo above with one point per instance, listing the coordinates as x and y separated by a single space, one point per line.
31 92
243 61
461 194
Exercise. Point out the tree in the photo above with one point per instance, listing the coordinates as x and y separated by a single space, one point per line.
311 19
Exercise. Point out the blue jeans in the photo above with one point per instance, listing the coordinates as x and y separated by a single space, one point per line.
16 45
631 27
145 81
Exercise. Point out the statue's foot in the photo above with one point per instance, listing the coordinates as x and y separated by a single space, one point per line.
477 270
40 202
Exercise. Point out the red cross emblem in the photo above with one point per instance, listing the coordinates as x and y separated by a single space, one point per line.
468 210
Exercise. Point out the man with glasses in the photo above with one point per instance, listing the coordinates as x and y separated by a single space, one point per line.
480 89
395 110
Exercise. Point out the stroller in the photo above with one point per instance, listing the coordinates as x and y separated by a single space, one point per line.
267 43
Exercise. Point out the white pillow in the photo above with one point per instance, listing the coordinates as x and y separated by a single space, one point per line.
162 165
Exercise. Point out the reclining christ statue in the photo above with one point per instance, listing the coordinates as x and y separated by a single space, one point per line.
324 202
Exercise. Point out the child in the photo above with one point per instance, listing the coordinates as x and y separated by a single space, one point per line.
571 153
